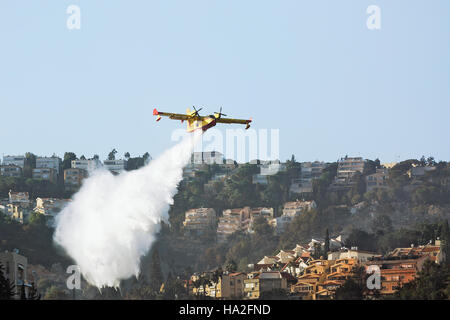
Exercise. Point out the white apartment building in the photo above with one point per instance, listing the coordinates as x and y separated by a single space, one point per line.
14 160
115 166
88 164
49 163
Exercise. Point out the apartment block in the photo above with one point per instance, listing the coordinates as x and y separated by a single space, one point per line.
73 177
347 167
48 174
10 171
15 270
199 220
87 164
49 163
233 220
377 179
14 160
115 166
296 208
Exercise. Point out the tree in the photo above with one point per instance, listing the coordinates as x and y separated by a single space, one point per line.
55 293
156 275
6 287
431 283
353 288
67 160
147 157
127 155
112 154
261 227
30 164
82 157
327 242
231 266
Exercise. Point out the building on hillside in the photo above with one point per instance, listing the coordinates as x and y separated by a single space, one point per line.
208 158
15 270
266 213
434 251
233 220
260 282
17 212
268 263
73 178
10 171
389 165
353 253
14 160
396 273
260 179
199 220
419 171
309 172
341 270
281 223
49 163
229 286
47 174
88 164
377 179
347 168
50 206
296 267
115 166
21 198
272 168
296 208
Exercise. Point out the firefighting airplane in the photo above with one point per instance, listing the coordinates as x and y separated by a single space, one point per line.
196 121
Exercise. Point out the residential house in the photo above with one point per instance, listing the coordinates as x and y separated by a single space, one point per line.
347 168
88 165
49 163
50 207
309 172
353 253
419 171
19 198
396 273
377 179
260 282
199 220
233 220
15 270
296 208
266 213
434 251
18 161
10 171
115 166
73 177
47 174
230 286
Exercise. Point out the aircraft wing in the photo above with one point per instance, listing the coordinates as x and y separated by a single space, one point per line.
230 120
176 116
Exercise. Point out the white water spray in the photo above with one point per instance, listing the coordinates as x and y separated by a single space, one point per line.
112 221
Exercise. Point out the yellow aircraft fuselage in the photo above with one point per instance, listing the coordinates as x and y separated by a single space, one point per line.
197 122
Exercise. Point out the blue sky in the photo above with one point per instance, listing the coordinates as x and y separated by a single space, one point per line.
309 68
